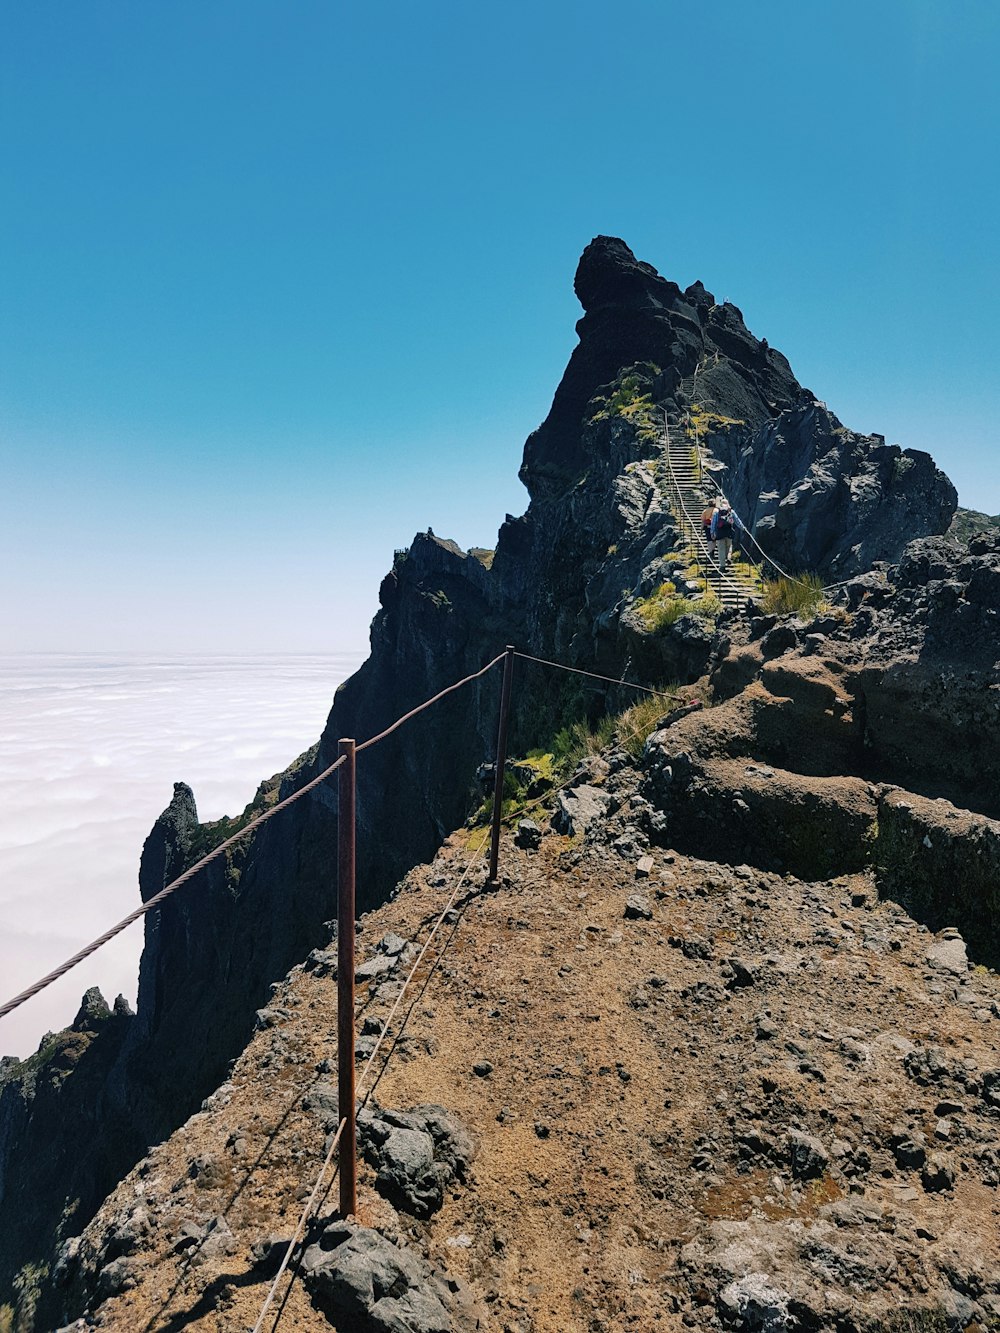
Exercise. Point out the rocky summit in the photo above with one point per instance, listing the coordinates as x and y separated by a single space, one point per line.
722 1048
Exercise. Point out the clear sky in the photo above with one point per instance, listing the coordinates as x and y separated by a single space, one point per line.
283 283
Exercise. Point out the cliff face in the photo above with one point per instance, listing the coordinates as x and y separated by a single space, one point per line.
819 496
596 538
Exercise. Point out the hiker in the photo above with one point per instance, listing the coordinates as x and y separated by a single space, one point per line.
706 524
724 526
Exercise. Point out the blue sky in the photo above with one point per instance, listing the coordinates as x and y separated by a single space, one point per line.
282 284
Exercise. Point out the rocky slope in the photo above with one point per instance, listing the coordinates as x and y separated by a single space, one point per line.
570 579
638 1089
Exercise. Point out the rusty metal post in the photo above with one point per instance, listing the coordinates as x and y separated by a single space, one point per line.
345 980
508 676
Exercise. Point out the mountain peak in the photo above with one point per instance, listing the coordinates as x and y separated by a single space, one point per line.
609 274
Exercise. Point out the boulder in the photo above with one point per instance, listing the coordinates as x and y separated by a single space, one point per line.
417 1154
374 968
362 1281
991 1088
322 1100
808 1158
754 1302
948 955
637 908
938 1173
528 836
577 808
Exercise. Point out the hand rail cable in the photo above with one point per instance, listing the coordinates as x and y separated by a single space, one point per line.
718 489
708 569
476 855
165 892
299 1227
374 740
216 852
702 471
554 791
612 680
269 814
695 532
303 1218
419 959
538 800
692 419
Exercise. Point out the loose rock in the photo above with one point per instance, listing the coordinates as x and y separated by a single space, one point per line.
808 1157
637 908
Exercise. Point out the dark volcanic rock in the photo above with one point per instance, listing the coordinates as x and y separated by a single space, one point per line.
808 1158
417 1154
633 315
529 835
363 1281
92 1013
578 808
65 1095
823 498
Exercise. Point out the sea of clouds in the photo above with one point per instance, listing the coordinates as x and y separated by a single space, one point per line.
90 747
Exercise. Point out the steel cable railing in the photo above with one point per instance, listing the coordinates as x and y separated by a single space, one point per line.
164 893
31 991
314 1194
91 948
362 1081
725 580
224 846
593 675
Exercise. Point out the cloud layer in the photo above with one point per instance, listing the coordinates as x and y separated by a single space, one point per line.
90 747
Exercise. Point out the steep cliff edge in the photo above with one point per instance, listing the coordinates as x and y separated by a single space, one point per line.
596 540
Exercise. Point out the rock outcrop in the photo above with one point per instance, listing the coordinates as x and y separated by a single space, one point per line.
821 497
569 579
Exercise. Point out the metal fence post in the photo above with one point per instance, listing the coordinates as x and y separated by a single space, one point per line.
345 980
508 675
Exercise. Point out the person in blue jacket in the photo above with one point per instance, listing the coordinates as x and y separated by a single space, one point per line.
724 527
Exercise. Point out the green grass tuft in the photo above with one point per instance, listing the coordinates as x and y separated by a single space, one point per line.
631 399
628 729
802 596
665 606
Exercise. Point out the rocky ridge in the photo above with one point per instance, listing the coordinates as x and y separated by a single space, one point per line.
680 1093
598 524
